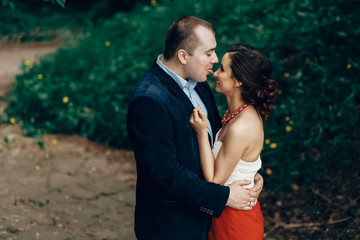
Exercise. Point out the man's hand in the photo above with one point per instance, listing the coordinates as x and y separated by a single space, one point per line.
242 198
239 197
258 185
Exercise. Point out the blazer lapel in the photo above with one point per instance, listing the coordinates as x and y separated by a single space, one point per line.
204 95
172 86
210 105
175 89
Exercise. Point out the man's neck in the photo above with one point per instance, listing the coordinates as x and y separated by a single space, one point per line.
173 66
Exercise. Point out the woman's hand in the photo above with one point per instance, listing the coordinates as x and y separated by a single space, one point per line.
198 121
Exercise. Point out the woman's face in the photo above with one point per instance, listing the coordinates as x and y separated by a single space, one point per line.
225 82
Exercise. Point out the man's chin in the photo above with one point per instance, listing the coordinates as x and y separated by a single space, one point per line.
204 79
200 80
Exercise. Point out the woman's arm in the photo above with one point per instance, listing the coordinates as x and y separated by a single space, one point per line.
213 171
219 171
232 149
199 123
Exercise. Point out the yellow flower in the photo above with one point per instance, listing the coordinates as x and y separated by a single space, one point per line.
291 121
268 171
40 76
54 141
29 63
267 141
273 145
153 2
65 99
348 66
330 107
12 120
287 118
288 128
286 74
107 43
280 92
307 60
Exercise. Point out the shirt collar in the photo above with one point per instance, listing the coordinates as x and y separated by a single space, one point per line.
189 85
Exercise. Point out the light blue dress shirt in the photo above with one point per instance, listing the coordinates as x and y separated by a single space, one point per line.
188 88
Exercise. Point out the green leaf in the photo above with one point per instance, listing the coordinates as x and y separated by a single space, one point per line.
11 5
61 3
8 2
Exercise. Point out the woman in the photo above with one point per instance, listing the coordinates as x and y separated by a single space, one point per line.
244 79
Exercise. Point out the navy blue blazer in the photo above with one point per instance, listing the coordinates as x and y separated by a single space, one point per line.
173 201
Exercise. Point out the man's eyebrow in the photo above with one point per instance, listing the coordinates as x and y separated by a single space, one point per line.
210 50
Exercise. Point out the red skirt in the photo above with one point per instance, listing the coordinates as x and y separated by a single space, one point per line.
238 224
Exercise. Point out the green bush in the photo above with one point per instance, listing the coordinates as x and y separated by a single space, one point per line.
26 21
31 17
84 88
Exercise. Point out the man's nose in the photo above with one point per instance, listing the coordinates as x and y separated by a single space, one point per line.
215 58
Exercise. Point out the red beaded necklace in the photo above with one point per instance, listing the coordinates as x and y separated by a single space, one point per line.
228 116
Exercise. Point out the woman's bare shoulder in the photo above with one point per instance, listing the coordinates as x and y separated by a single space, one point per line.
246 125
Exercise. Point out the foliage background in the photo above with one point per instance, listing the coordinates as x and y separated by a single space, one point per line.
84 87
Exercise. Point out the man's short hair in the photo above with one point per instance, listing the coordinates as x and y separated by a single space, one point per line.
182 35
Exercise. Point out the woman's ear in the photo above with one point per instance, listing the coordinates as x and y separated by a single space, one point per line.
237 83
182 56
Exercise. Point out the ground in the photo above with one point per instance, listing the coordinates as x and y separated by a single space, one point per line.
59 187
67 187
64 187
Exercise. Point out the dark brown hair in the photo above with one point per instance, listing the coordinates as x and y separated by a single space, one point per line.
253 69
182 35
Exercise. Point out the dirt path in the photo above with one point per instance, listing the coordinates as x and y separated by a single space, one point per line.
11 56
60 187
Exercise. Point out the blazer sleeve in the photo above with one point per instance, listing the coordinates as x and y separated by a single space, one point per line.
151 133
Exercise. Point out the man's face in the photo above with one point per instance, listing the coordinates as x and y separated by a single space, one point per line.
200 64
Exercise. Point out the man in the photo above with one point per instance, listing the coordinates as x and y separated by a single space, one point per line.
172 199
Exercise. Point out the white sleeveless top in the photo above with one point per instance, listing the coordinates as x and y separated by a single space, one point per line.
243 170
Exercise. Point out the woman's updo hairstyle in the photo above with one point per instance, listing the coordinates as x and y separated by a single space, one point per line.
253 69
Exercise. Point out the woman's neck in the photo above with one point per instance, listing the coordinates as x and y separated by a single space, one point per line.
234 102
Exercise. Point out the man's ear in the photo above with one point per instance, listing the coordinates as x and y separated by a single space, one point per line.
182 56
